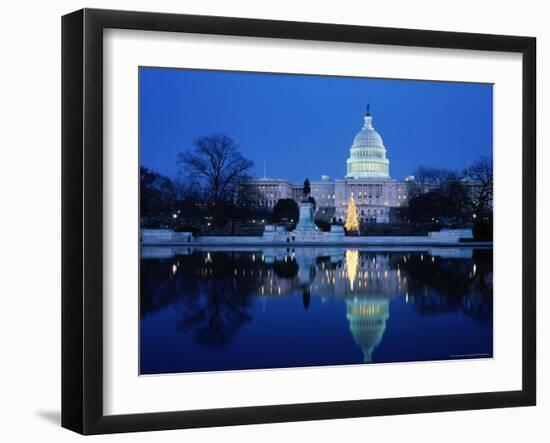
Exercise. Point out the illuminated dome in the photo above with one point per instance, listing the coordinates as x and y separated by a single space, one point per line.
368 154
368 138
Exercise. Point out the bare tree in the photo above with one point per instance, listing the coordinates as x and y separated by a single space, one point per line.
157 194
427 179
479 178
216 163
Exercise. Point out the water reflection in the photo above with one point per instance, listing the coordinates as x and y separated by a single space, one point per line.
367 323
211 309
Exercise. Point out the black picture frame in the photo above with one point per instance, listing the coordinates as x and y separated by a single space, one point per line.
82 216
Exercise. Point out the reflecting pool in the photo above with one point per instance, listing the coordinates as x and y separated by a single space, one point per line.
217 309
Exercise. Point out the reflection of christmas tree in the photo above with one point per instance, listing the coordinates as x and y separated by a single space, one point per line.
352 222
352 264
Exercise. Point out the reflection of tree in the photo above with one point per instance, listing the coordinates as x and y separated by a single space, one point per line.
215 313
210 296
159 287
352 264
446 285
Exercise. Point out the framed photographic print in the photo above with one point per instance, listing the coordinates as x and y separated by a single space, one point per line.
270 221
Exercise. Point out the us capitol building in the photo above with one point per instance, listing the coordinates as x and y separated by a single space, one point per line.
367 180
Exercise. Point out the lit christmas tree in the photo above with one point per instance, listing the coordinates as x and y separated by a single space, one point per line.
352 222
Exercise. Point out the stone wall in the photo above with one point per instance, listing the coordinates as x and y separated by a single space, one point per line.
168 237
451 235
164 236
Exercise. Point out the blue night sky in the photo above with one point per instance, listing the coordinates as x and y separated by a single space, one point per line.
303 126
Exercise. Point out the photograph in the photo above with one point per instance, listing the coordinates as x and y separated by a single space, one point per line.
290 220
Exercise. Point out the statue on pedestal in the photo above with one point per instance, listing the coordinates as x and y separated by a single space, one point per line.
306 190
307 210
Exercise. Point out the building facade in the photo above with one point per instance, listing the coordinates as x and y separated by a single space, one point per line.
367 181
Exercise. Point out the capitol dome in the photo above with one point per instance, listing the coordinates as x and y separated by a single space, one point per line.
368 154
368 138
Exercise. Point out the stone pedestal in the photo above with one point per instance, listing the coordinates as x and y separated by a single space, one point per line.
305 220
306 231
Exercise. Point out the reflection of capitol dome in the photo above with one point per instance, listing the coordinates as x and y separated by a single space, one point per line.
367 323
368 154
